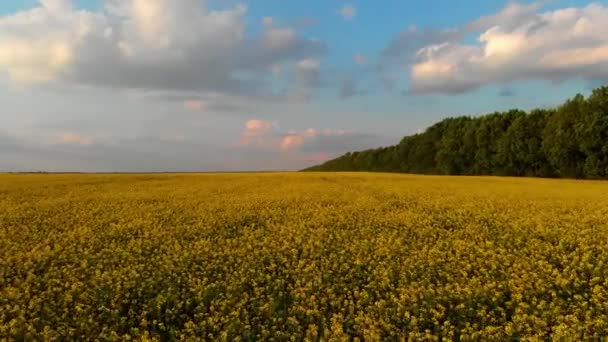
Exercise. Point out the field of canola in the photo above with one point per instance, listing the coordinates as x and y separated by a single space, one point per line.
302 256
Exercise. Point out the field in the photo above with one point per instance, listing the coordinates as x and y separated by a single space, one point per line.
302 256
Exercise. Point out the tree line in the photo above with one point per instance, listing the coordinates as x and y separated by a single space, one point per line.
569 141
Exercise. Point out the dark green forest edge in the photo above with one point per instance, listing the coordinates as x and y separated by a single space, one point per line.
569 141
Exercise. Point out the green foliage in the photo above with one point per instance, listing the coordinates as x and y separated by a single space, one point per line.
570 141
302 256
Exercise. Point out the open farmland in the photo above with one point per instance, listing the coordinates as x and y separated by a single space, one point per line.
302 256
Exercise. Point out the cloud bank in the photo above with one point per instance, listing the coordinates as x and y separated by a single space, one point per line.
518 43
148 45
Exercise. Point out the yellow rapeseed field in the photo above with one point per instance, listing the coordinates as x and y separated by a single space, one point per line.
302 256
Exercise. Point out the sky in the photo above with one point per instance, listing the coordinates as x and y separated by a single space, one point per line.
229 85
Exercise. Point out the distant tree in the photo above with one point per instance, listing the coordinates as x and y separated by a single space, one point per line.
568 141
592 133
561 144
469 146
451 157
520 148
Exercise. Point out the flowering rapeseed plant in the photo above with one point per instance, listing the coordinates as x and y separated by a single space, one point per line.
302 257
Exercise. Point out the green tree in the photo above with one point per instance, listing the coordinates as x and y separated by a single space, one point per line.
520 148
592 133
561 143
569 141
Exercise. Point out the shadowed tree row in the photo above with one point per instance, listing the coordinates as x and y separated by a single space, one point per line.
568 141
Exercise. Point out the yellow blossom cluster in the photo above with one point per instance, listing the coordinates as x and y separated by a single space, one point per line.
302 256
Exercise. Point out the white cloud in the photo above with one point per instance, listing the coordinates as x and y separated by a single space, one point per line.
150 22
56 6
413 38
348 12
147 45
518 43
511 16
38 44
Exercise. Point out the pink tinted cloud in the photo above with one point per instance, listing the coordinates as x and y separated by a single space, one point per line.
257 133
195 105
72 139
258 126
294 139
291 141
348 12
266 134
359 59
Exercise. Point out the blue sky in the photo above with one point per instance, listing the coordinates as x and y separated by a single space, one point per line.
154 85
